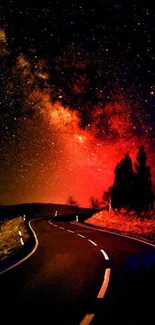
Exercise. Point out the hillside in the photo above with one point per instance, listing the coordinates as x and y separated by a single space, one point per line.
126 223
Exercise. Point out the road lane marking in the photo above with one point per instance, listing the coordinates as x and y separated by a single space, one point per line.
105 284
87 319
55 225
61 228
51 223
70 230
92 242
81 235
105 254
78 224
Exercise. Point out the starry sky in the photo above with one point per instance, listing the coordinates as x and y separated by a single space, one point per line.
77 91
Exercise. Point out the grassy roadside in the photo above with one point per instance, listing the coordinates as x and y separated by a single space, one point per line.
10 243
127 224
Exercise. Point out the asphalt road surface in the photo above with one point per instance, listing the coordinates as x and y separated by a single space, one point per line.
60 282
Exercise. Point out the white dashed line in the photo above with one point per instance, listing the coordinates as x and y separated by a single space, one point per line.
104 254
115 233
92 242
105 284
87 319
90 316
81 235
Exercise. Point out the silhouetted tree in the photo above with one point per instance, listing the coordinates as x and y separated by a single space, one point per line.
71 201
94 203
144 195
122 189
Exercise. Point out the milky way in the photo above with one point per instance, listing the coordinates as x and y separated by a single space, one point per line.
68 119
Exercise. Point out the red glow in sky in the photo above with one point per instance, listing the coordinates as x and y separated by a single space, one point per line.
52 156
86 167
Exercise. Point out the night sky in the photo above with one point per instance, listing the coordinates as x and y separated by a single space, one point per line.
77 91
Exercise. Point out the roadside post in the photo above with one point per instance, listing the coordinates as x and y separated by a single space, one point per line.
21 237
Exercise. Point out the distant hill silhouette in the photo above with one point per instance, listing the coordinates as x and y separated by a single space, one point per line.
32 210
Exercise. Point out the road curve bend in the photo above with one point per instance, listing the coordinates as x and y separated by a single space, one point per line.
65 281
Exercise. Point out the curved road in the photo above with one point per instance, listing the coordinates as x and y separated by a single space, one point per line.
60 283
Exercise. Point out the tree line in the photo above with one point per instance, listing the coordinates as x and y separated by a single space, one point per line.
132 187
